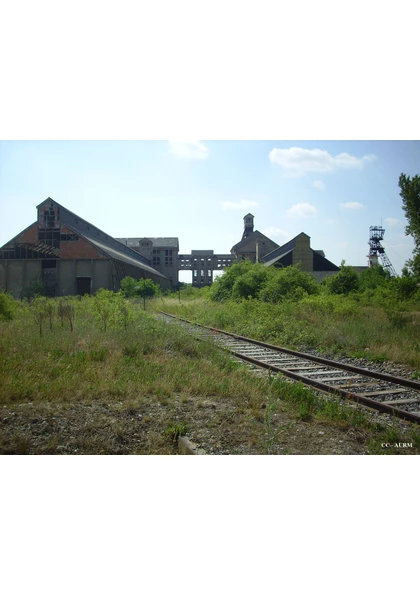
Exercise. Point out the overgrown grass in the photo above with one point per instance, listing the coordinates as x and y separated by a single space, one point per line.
331 323
92 387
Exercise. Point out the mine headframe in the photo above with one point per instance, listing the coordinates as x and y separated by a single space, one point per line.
376 235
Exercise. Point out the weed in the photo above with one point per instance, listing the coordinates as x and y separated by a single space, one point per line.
176 430
99 354
131 350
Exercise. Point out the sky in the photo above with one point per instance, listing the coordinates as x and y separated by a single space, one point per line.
199 191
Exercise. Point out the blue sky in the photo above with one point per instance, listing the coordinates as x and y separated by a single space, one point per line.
200 190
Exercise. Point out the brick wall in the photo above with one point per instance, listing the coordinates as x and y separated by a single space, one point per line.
80 249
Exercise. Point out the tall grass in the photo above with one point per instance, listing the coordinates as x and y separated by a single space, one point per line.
331 323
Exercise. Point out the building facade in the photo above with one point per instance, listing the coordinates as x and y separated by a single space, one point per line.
160 252
70 256
298 252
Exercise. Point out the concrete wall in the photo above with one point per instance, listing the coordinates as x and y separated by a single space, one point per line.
68 271
303 253
15 275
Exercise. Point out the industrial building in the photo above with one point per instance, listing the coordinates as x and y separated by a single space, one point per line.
70 256
258 248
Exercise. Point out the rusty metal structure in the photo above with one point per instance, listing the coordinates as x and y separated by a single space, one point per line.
376 251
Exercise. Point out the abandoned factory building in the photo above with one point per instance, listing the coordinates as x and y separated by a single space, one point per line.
70 256
258 248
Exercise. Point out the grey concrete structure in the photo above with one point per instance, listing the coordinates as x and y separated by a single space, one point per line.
69 256
298 251
161 253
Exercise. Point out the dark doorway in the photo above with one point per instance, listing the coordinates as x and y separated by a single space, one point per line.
49 276
83 285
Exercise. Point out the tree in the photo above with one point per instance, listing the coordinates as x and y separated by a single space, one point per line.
410 194
128 286
250 284
147 289
373 277
222 287
344 282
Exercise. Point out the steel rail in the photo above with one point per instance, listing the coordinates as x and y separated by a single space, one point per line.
369 402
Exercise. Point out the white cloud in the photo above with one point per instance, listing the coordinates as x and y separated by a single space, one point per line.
188 149
318 184
276 233
240 205
352 205
298 161
392 222
302 210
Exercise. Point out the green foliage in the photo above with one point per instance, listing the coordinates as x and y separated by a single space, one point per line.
373 277
289 284
66 311
7 307
405 286
128 286
344 282
410 194
108 307
223 285
36 288
39 311
246 280
249 284
144 287
176 430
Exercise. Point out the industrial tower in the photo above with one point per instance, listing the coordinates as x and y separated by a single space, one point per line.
376 235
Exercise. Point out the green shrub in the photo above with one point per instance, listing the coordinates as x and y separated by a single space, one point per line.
7 307
36 288
344 282
289 284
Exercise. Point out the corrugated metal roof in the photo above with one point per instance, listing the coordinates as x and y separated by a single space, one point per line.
158 242
122 257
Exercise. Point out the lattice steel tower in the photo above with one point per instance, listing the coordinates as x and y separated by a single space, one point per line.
376 235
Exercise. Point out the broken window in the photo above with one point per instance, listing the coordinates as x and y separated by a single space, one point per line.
69 237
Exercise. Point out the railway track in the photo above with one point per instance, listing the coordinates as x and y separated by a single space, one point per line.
396 396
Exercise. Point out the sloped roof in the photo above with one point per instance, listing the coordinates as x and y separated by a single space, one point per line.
117 255
158 242
252 237
275 259
109 246
279 252
320 262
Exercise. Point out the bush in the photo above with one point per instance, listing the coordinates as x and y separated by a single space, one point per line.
344 282
222 287
7 307
289 284
250 283
373 277
36 288
144 287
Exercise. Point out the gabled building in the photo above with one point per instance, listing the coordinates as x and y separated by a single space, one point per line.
162 252
253 245
70 256
298 251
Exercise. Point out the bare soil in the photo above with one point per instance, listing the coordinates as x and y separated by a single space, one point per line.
217 426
